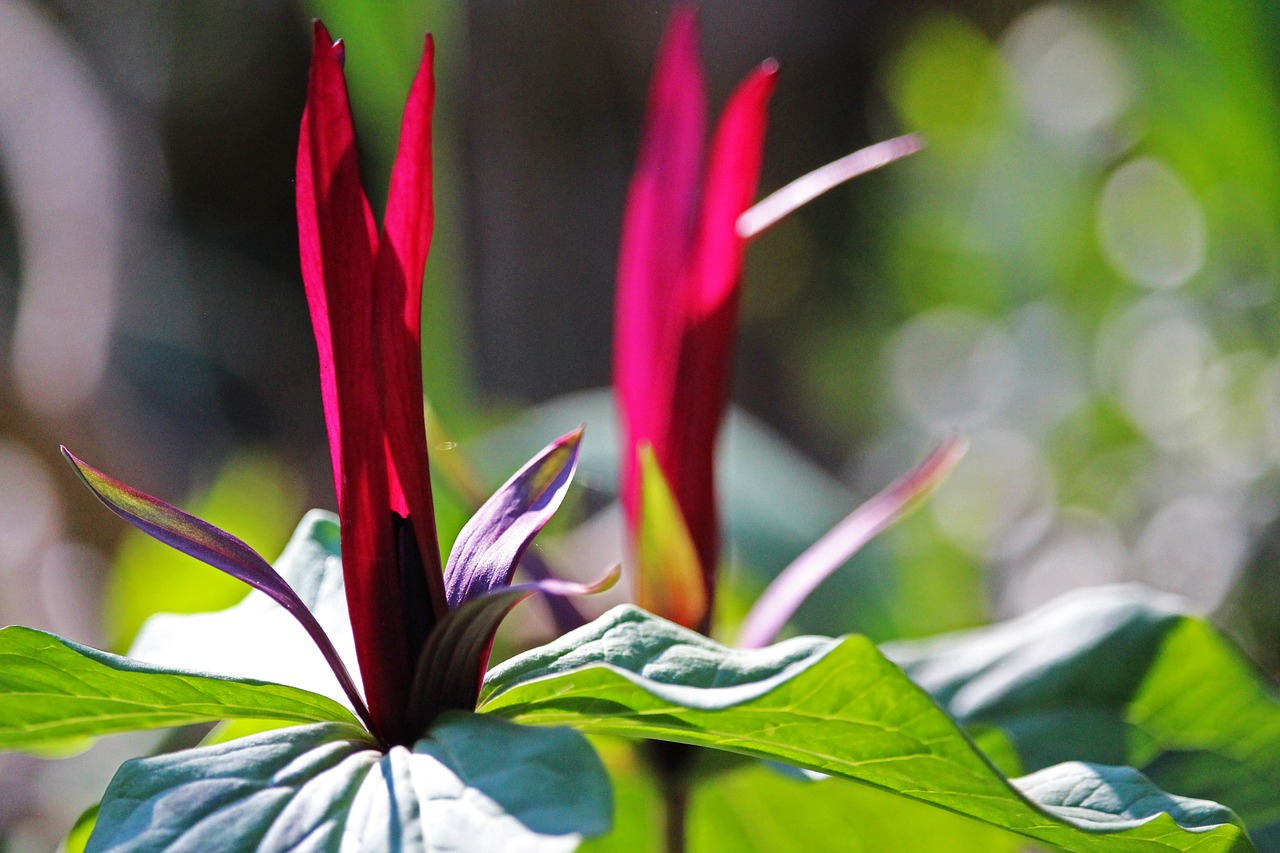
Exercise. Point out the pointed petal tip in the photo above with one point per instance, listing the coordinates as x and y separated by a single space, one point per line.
684 20
606 581
321 33
573 437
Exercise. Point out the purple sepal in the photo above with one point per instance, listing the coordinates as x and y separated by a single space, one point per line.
798 581
492 542
217 548
564 613
454 660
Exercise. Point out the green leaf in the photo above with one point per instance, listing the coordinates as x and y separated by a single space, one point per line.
53 690
839 707
232 642
473 784
1118 675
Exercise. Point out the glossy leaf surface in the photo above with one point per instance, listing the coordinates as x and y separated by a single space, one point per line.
839 707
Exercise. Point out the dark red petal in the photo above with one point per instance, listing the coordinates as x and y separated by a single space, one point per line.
402 258
711 314
337 239
657 235
338 244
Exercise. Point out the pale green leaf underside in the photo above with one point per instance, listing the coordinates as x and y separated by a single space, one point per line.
752 808
837 706
473 785
53 690
257 638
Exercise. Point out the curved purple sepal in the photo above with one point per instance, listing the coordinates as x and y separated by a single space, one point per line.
456 655
492 542
208 544
797 581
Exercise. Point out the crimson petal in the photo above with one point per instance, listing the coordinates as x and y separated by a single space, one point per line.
338 243
710 312
657 238
397 307
490 545
201 540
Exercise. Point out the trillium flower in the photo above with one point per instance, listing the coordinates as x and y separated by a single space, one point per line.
423 630
685 232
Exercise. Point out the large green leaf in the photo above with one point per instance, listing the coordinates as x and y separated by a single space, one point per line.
1118 675
53 691
840 707
473 784
257 638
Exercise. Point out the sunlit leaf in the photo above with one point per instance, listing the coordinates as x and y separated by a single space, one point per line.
839 707
52 690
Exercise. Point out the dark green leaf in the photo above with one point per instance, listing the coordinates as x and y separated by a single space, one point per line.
839 707
473 784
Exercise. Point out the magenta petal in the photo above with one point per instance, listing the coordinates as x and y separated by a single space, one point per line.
219 549
657 239
492 542
456 656
797 581
710 312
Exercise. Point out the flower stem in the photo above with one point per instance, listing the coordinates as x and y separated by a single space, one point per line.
672 764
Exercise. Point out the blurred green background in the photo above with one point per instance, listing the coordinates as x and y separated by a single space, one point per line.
1079 273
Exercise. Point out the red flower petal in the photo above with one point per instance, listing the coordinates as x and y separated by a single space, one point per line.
710 311
337 239
657 238
338 244
397 306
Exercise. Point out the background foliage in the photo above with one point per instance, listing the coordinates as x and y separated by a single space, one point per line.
1080 272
